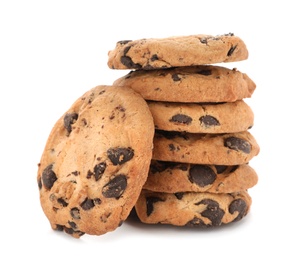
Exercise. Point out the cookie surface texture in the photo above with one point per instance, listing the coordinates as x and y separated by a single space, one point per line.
173 177
95 161
177 51
193 209
217 149
227 117
205 83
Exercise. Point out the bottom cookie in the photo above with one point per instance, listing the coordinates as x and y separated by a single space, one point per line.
199 209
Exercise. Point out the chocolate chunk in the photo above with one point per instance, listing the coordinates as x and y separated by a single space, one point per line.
181 119
75 213
87 204
201 175
175 77
196 222
232 49
204 72
212 212
115 187
48 177
209 121
238 205
150 204
120 155
99 169
69 120
237 144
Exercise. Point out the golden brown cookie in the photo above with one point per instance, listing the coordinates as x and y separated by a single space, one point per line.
177 51
173 177
95 161
194 209
227 117
217 149
190 84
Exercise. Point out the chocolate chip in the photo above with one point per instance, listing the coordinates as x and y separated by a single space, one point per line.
204 72
238 205
160 166
120 155
72 224
75 213
72 232
175 77
62 202
69 120
220 168
179 195
212 212
48 177
40 183
154 57
195 222
115 187
237 144
127 61
201 175
99 169
87 204
209 121
232 49
124 42
59 227
181 119
150 204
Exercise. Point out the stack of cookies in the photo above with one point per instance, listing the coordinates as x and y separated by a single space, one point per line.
199 173
170 139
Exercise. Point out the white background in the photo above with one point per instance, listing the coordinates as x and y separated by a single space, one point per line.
51 52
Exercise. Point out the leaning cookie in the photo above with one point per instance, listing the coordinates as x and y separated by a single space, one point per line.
217 149
174 177
190 84
177 51
227 117
95 161
193 209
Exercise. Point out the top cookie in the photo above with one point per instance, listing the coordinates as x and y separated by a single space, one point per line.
158 53
96 161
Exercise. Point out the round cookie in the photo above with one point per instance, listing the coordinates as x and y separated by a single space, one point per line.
193 209
174 177
217 149
205 83
227 117
177 51
95 161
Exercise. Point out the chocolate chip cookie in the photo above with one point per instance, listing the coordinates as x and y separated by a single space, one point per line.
95 161
190 84
217 149
229 117
174 177
193 209
177 51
